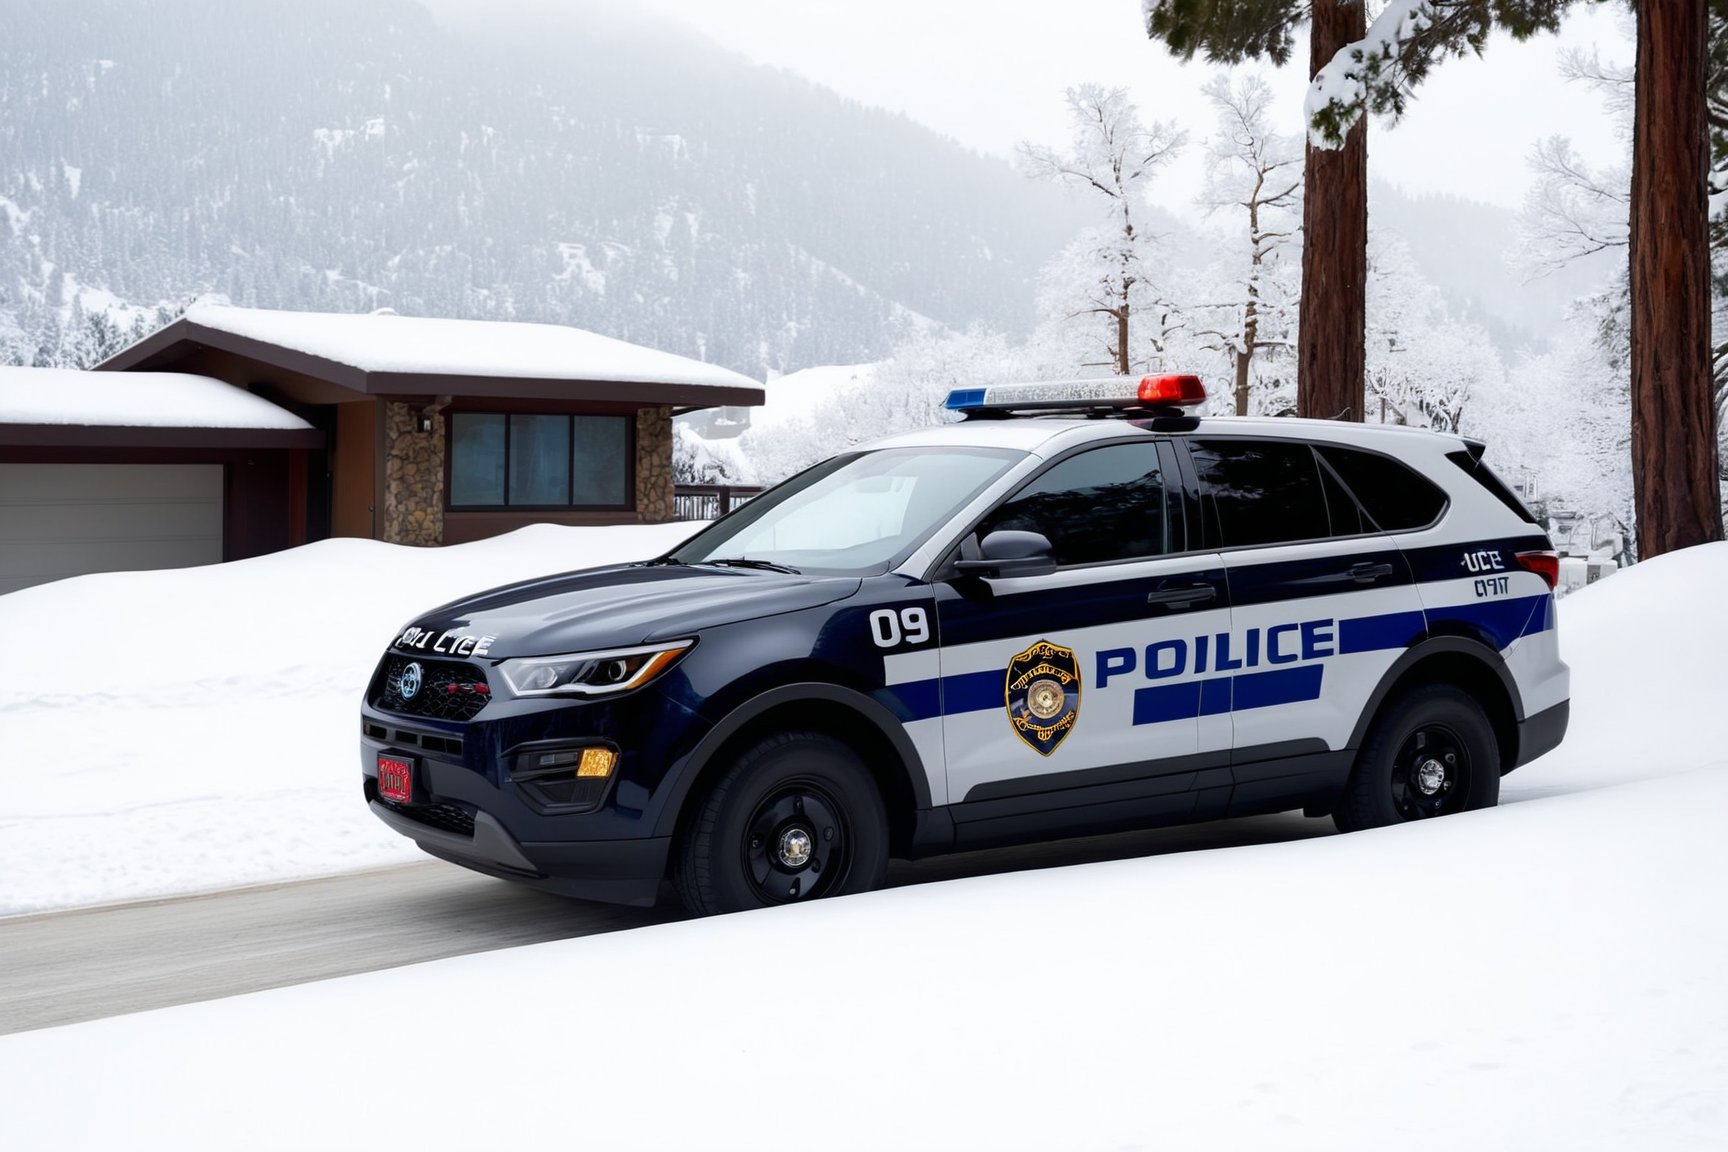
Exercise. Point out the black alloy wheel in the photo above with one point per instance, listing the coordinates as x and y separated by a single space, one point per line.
795 817
796 845
1431 774
1430 752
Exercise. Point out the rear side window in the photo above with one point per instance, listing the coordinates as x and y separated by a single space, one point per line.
1102 505
1398 498
1265 491
1484 476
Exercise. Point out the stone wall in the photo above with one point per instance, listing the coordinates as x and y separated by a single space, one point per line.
413 477
654 503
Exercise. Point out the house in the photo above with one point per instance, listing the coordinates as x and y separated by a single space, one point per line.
408 430
445 431
102 473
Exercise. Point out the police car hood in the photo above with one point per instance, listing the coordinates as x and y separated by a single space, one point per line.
625 605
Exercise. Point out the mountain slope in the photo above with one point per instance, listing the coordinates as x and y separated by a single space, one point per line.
349 154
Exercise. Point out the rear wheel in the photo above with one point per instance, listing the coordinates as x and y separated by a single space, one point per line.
1431 753
796 817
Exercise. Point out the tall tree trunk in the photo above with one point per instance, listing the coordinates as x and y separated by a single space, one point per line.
1244 358
1331 358
1674 449
1251 310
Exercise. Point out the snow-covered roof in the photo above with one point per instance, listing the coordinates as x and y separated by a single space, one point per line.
388 343
65 396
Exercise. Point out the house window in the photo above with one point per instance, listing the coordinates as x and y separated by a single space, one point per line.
538 461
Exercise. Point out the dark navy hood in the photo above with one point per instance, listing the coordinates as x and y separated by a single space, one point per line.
618 606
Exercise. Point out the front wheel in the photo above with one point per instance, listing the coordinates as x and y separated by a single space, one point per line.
796 817
1432 753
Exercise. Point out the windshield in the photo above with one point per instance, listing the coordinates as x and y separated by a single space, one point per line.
854 514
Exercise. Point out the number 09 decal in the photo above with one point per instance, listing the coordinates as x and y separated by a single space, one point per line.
890 629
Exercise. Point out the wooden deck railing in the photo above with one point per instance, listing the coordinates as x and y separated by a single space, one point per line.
710 501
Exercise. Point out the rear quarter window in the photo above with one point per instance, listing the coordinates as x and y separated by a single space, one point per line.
1484 476
1397 497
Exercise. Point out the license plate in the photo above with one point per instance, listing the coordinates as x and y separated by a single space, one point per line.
395 779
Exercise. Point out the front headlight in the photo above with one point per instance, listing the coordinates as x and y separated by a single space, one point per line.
591 673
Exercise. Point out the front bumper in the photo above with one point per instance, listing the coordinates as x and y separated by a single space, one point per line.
615 871
468 810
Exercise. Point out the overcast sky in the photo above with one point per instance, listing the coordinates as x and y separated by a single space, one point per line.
991 73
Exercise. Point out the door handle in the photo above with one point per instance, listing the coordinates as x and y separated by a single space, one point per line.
1182 595
1368 573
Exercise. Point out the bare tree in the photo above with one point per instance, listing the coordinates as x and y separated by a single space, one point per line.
1114 156
1254 169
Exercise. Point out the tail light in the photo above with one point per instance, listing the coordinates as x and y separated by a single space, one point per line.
1544 564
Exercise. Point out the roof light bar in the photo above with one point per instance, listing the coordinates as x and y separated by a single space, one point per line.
1163 391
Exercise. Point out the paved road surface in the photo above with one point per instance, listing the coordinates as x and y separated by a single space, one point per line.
63 967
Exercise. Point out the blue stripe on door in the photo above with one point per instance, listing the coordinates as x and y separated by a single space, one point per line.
1376 633
967 692
1269 689
1219 694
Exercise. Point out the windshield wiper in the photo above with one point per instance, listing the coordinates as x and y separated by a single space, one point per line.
742 562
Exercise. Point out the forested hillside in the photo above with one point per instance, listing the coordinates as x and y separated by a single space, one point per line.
355 154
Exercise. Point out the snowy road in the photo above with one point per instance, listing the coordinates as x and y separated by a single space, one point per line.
85 964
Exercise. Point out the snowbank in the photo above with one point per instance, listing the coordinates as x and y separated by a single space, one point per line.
195 729
797 395
1648 648
1542 976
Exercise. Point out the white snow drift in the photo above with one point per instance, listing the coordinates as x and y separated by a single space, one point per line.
1541 976
195 729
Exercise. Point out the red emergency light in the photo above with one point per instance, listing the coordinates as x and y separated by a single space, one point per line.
1178 390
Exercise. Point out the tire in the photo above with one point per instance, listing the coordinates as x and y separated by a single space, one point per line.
1432 752
796 817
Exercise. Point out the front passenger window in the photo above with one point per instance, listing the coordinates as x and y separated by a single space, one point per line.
1101 505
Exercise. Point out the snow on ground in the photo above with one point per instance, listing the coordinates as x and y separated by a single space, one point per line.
133 400
196 729
1541 976
1648 648
1545 975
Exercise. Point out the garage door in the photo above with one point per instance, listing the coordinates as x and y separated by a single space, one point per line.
68 519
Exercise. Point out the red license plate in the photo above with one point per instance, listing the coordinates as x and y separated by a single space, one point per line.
395 779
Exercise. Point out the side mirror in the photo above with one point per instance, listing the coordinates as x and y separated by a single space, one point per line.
1008 553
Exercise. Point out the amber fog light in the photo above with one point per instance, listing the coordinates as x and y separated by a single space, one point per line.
564 778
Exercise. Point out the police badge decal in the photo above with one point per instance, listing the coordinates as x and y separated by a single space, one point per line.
1043 691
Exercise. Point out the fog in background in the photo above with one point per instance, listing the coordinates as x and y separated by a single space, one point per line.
991 73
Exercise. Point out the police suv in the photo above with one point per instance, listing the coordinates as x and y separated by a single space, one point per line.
1076 611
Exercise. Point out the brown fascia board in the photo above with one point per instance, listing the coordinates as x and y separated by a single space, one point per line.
113 436
531 388
153 352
